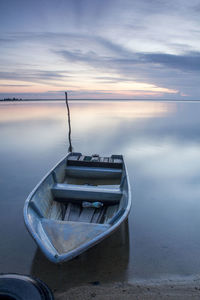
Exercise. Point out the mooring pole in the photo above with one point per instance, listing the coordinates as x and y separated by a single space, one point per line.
70 149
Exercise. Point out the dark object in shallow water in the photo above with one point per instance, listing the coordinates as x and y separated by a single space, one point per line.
21 287
54 212
95 283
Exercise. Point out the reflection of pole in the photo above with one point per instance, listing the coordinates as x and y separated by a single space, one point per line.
125 233
69 124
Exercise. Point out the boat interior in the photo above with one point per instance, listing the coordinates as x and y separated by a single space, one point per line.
90 189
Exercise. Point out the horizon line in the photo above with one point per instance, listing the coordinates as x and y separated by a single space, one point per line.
93 99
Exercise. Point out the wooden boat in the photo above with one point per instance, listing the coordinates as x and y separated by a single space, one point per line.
82 200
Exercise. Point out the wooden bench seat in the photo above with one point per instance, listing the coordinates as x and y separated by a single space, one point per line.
68 192
94 172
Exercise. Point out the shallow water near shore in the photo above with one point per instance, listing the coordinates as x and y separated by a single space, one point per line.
161 145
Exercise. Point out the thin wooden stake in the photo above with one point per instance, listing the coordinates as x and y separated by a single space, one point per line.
70 149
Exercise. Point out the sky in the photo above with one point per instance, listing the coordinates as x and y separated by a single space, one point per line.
100 49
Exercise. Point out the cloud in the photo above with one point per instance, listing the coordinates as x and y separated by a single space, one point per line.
33 75
157 68
187 62
190 61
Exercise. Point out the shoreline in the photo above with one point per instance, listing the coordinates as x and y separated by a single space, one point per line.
141 290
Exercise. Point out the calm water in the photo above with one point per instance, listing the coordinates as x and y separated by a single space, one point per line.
161 145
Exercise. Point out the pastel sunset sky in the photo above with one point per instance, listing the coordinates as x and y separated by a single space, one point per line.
130 49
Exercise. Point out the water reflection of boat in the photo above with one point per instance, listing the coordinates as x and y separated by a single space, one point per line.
106 262
79 203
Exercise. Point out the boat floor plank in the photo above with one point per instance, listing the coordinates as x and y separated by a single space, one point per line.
66 217
86 214
74 212
55 211
96 215
100 218
110 211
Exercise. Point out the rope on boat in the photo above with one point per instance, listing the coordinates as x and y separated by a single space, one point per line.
70 149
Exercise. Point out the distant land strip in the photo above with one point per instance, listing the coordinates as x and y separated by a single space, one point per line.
99 99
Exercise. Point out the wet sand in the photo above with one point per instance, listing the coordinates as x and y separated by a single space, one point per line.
183 290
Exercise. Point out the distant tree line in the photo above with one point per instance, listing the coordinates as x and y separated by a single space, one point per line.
11 99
